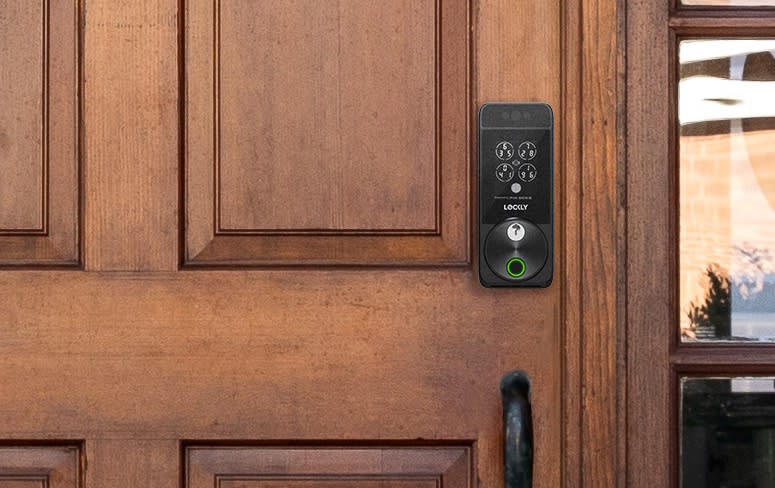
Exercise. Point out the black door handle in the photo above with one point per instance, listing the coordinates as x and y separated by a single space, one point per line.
517 430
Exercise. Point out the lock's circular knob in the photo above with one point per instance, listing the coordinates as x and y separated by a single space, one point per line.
515 249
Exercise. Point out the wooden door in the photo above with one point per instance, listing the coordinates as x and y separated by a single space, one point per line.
237 240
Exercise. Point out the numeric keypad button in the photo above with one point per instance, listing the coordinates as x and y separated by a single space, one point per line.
504 150
527 172
527 151
504 172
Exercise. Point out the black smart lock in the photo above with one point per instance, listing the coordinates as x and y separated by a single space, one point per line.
516 237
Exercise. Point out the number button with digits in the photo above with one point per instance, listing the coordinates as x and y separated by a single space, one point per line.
504 172
504 150
527 151
527 172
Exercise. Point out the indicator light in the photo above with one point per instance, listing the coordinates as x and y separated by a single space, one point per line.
515 267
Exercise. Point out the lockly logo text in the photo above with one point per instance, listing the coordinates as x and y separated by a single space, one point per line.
515 206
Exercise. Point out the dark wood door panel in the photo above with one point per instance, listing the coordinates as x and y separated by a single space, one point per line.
314 135
39 133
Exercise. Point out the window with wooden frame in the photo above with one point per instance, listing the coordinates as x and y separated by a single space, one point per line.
700 245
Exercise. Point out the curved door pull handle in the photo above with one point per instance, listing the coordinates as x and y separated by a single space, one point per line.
517 430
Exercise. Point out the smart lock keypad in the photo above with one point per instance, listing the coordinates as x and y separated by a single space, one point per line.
515 194
533 173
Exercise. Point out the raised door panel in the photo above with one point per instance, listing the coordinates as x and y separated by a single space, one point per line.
38 133
313 133
328 467
40 467
341 482
22 137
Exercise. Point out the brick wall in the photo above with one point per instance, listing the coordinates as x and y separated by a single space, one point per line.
727 199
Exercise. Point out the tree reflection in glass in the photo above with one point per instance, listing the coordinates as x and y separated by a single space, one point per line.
727 189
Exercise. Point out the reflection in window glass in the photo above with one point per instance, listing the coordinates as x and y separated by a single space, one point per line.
726 113
727 432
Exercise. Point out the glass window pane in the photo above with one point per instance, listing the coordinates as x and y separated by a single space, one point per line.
727 432
731 3
726 110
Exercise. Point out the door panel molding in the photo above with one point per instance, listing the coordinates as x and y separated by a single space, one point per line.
388 193
24 137
321 467
39 135
40 465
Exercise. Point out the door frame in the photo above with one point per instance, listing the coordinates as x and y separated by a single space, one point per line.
655 356
646 321
594 250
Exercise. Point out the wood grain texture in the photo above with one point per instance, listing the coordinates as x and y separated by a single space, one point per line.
593 100
348 148
135 361
326 117
728 3
649 246
40 466
731 359
39 177
517 63
622 441
724 24
23 138
131 124
570 258
238 355
328 467
600 256
655 355
23 482
131 463
238 481
346 481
